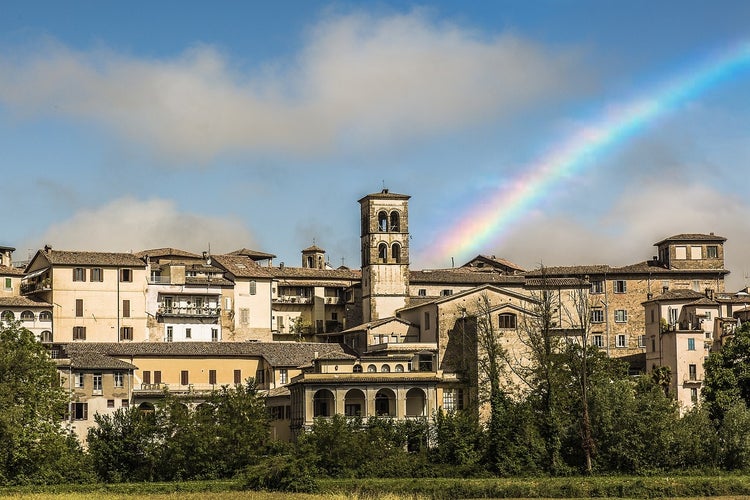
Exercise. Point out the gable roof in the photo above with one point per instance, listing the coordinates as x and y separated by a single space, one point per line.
167 252
241 266
692 237
75 258
494 262
253 254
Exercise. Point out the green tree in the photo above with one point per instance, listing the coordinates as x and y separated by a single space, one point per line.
727 374
34 446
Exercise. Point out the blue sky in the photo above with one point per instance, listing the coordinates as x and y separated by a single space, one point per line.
134 125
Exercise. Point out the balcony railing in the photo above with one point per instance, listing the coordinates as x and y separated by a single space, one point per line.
175 388
292 299
206 312
33 287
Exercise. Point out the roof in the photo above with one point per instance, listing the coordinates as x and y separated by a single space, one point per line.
314 274
645 267
314 248
678 294
462 276
205 280
11 271
677 238
167 252
241 266
253 254
275 353
75 258
22 302
494 261
385 194
92 360
553 281
374 324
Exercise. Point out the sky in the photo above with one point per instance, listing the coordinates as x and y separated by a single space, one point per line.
552 132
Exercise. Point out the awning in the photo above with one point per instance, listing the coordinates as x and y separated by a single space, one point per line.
34 274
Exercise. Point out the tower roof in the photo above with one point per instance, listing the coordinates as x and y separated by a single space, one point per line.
385 194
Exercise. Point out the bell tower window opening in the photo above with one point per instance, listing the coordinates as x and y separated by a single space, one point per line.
382 222
396 253
382 253
395 222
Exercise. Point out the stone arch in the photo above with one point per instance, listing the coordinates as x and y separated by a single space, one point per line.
395 222
355 403
396 253
382 253
323 403
46 337
382 221
385 403
415 402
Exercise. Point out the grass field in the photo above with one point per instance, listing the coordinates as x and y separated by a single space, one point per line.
688 486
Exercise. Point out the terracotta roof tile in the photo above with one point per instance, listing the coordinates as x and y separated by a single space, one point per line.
23 302
692 237
241 266
68 258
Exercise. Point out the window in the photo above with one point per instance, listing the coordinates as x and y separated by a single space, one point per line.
395 225
691 344
212 377
621 341
260 377
641 341
694 394
621 286
46 336
597 315
283 376
696 252
382 253
79 274
79 411
280 322
96 274
422 292
119 379
78 380
97 383
253 287
680 253
399 368
598 340
157 377
712 252
506 320
188 333
426 321
126 333
8 316
45 316
385 368
27 316
147 377
357 369
126 275
696 285
8 284
382 222
673 312
652 316
244 316
125 403
334 316
214 334
237 377
396 253
653 344
110 403
693 372
170 334
446 293
79 308
126 308
184 377
621 316
453 399
371 369
597 286
79 333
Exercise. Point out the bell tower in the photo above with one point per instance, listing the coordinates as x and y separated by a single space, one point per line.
385 254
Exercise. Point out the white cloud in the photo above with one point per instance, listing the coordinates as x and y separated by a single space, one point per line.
128 224
359 80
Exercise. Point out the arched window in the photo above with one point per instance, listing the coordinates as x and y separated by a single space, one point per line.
382 253
46 336
372 369
385 368
395 222
27 316
507 321
382 222
45 316
8 316
357 368
323 403
396 253
399 368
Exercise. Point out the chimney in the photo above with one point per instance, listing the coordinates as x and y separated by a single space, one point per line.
281 265
664 289
649 296
47 248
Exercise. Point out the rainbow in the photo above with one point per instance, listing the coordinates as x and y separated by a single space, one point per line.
488 220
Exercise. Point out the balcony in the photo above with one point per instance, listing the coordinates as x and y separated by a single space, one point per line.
292 299
691 380
175 389
334 300
187 311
